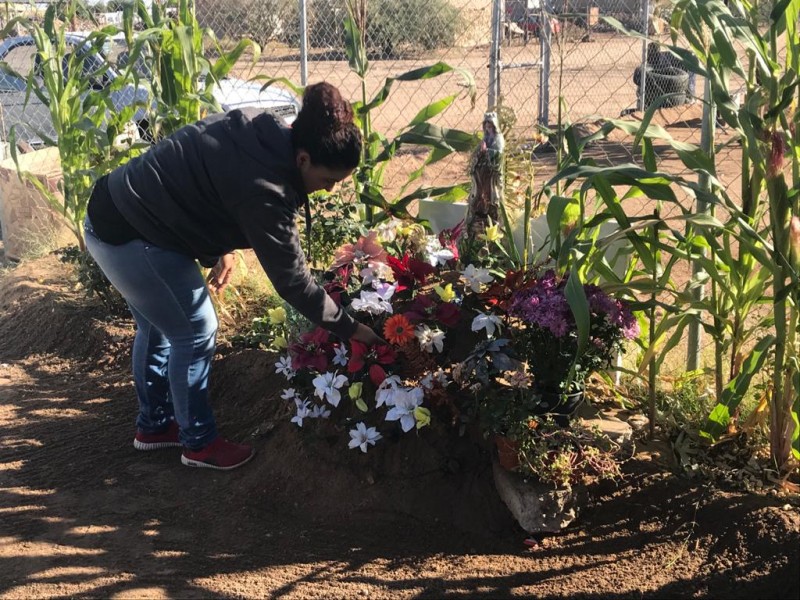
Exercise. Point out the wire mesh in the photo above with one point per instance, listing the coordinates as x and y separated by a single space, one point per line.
590 73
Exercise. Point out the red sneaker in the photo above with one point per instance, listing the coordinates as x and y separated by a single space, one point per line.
154 441
219 454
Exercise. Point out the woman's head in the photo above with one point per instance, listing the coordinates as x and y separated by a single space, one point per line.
327 143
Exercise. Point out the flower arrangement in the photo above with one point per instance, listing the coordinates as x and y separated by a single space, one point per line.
547 333
444 324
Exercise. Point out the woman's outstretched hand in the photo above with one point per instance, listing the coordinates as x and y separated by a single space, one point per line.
222 273
366 335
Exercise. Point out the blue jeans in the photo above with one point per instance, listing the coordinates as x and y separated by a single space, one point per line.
176 329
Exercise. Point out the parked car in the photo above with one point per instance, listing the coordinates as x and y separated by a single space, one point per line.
31 117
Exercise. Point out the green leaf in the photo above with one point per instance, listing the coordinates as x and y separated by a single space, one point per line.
361 405
433 109
576 298
354 46
735 391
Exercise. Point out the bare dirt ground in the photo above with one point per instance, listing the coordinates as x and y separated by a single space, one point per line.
86 515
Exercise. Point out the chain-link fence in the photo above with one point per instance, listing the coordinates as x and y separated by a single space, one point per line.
544 64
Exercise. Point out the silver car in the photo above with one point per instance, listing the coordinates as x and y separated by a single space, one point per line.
31 118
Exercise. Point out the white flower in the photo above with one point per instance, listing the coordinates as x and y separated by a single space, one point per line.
386 391
429 338
385 291
406 400
475 277
488 322
284 367
363 436
303 412
387 231
289 394
436 254
438 376
340 356
327 386
372 302
376 273
320 412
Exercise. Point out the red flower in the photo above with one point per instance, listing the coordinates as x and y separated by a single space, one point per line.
426 307
314 350
335 290
409 271
449 238
448 314
377 375
361 355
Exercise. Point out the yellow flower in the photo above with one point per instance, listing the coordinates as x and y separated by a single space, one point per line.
446 293
279 343
277 315
423 417
355 390
492 233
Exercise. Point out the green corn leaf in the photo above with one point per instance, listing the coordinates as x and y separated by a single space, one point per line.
228 60
354 47
649 155
297 89
576 298
433 109
734 392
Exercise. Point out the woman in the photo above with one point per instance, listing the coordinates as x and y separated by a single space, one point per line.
230 181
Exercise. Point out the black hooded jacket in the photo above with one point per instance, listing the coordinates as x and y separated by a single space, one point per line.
224 183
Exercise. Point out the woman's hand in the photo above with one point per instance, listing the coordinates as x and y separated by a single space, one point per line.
222 273
366 335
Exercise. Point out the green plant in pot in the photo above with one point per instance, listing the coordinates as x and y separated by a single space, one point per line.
543 312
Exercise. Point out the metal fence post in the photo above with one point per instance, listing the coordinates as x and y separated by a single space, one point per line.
545 36
303 43
695 337
494 55
645 42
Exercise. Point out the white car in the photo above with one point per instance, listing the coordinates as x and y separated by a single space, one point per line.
31 118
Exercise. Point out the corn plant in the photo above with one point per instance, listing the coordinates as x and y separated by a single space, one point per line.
180 76
762 269
378 149
69 80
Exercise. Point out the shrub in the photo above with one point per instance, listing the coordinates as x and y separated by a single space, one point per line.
92 280
392 25
334 221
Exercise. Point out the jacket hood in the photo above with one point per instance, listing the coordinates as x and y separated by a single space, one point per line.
267 140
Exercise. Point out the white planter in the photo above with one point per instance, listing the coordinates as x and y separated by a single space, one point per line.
616 253
442 215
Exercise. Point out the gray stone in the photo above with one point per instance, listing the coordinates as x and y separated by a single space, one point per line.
616 430
537 507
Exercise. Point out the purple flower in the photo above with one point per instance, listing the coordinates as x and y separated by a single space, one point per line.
545 305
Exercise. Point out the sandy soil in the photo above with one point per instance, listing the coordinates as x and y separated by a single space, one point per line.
86 515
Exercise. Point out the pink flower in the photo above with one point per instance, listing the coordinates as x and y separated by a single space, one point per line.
366 250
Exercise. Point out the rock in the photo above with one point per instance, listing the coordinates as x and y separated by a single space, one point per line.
616 430
537 507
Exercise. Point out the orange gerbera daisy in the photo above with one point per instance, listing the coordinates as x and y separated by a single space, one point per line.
398 330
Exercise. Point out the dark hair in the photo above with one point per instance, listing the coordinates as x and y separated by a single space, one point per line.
325 129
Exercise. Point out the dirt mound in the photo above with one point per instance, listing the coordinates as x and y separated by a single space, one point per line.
44 315
84 514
